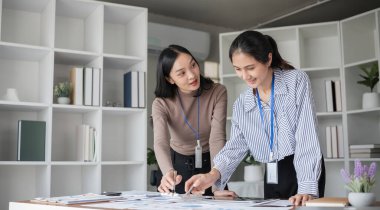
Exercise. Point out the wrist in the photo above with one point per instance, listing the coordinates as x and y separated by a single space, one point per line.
215 174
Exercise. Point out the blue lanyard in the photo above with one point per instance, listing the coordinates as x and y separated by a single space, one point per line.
271 114
185 118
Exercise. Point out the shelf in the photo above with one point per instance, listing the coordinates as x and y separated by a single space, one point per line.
23 163
22 106
29 23
78 25
118 24
365 111
116 163
73 163
319 45
112 61
363 28
62 108
74 57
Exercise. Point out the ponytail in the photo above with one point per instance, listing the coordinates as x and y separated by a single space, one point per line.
277 60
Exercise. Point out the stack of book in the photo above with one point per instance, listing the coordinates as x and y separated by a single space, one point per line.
85 83
86 139
134 89
334 141
365 151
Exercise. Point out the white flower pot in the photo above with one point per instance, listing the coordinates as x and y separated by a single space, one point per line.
361 199
11 95
253 173
370 100
63 100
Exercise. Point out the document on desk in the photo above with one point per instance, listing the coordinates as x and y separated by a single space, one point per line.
182 202
76 199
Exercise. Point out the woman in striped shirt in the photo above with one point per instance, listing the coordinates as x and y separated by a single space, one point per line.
274 120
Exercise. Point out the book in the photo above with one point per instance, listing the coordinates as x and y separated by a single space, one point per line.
334 142
338 95
340 141
375 150
131 89
95 86
329 96
364 146
328 142
141 89
31 140
365 155
76 80
87 81
328 202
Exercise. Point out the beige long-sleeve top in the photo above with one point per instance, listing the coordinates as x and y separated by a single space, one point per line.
171 130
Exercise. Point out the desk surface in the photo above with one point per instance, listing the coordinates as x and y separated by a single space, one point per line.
23 205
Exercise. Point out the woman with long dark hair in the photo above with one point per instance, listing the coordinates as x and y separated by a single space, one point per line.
189 119
274 120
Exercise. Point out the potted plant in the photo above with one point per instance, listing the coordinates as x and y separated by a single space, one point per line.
62 91
370 79
360 184
253 171
152 161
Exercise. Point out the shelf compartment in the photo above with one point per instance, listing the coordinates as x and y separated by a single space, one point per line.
123 136
332 175
65 60
323 123
362 28
353 89
113 79
23 182
320 45
366 126
123 177
119 23
235 87
28 22
74 180
287 43
318 86
64 135
9 127
225 41
78 25
20 65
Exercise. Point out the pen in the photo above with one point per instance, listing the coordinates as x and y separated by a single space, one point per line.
174 179
191 188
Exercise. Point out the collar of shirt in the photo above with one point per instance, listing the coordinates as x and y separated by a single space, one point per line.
279 87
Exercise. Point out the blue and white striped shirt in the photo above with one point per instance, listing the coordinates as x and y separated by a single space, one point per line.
295 131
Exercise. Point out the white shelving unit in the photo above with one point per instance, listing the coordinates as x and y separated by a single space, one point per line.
325 51
41 40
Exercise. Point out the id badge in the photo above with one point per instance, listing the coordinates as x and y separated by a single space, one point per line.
198 155
272 172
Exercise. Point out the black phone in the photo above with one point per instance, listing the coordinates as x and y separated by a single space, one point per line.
111 193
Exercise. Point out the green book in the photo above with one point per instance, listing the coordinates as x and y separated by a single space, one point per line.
31 140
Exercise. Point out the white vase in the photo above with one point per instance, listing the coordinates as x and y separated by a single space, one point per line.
361 199
253 173
63 100
370 100
11 95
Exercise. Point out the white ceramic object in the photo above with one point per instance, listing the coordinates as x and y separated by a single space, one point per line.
11 95
361 199
370 100
63 100
253 173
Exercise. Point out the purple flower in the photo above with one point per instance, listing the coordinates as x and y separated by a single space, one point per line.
372 170
345 175
358 171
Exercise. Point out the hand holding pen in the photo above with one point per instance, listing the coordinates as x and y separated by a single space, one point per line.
169 181
197 184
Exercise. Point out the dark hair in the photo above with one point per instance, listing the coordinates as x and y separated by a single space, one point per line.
259 46
165 64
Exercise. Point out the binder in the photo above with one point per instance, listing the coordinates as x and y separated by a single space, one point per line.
131 89
141 89
31 140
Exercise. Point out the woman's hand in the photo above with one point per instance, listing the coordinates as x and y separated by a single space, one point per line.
200 182
225 193
167 181
300 199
